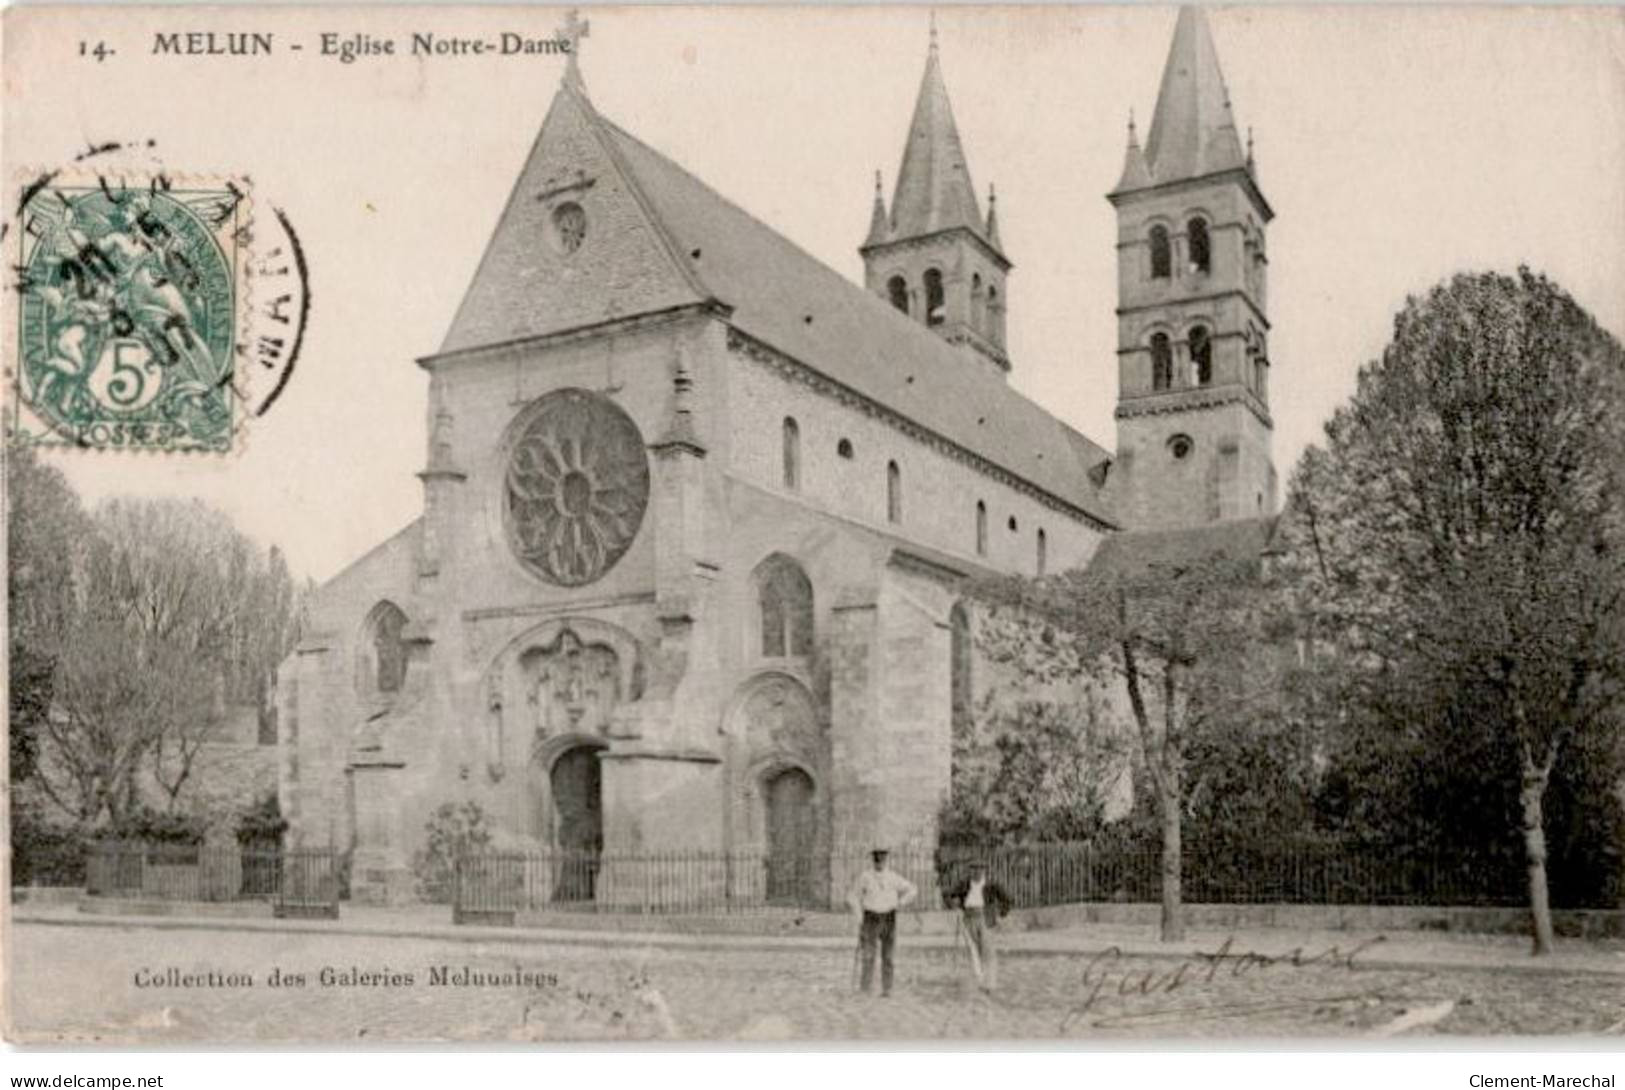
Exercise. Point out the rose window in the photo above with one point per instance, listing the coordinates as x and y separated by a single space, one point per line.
569 227
576 487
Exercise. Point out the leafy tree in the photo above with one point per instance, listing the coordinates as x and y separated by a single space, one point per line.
174 615
1457 542
1036 770
1180 628
114 696
46 531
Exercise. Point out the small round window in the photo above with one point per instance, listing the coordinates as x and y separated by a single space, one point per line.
569 227
1180 446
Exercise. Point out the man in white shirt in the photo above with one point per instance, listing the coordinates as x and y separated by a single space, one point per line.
876 896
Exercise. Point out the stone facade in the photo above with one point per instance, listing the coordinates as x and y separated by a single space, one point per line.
696 515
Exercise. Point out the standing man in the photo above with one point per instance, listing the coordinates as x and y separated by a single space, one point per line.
877 895
981 902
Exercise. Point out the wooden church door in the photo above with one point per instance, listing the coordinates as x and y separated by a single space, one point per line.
578 828
791 835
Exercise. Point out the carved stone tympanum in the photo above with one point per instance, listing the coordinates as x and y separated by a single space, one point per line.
570 687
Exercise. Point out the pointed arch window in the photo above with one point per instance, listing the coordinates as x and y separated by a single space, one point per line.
936 310
897 292
1162 254
792 453
384 650
959 665
784 597
1043 552
978 303
894 493
1201 247
995 316
1162 361
1201 356
981 528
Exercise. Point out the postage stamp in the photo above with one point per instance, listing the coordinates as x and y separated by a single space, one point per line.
130 311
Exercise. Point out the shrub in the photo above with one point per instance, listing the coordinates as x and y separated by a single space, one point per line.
45 855
161 827
455 829
262 825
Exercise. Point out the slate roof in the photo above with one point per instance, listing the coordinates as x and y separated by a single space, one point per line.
1193 131
787 299
1140 552
934 190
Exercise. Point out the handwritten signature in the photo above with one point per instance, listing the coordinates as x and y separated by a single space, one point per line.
1111 975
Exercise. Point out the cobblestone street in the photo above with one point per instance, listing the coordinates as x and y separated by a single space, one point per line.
79 984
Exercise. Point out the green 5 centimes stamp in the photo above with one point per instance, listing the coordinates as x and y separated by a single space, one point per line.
129 314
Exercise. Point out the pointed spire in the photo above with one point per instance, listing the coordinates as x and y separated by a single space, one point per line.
1135 173
1193 131
934 190
879 225
993 215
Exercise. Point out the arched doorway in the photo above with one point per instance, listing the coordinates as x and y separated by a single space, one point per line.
578 828
792 830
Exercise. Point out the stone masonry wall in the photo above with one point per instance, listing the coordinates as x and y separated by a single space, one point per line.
939 492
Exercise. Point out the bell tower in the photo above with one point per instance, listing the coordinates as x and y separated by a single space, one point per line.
933 256
1193 423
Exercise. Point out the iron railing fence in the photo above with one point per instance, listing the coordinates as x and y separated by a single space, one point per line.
298 882
498 884
1314 873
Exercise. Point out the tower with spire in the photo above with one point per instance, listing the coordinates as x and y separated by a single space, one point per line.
1193 422
934 256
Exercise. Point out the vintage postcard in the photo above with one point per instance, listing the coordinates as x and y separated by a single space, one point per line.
814 523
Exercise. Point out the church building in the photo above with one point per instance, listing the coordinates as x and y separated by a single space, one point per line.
697 508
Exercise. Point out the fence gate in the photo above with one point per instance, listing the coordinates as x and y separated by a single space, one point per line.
310 886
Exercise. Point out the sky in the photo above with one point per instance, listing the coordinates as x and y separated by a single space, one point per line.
1397 146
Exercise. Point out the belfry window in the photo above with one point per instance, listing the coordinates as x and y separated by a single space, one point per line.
1201 356
978 303
897 292
1043 551
1162 362
936 311
1162 260
981 528
894 493
792 453
785 598
1200 248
